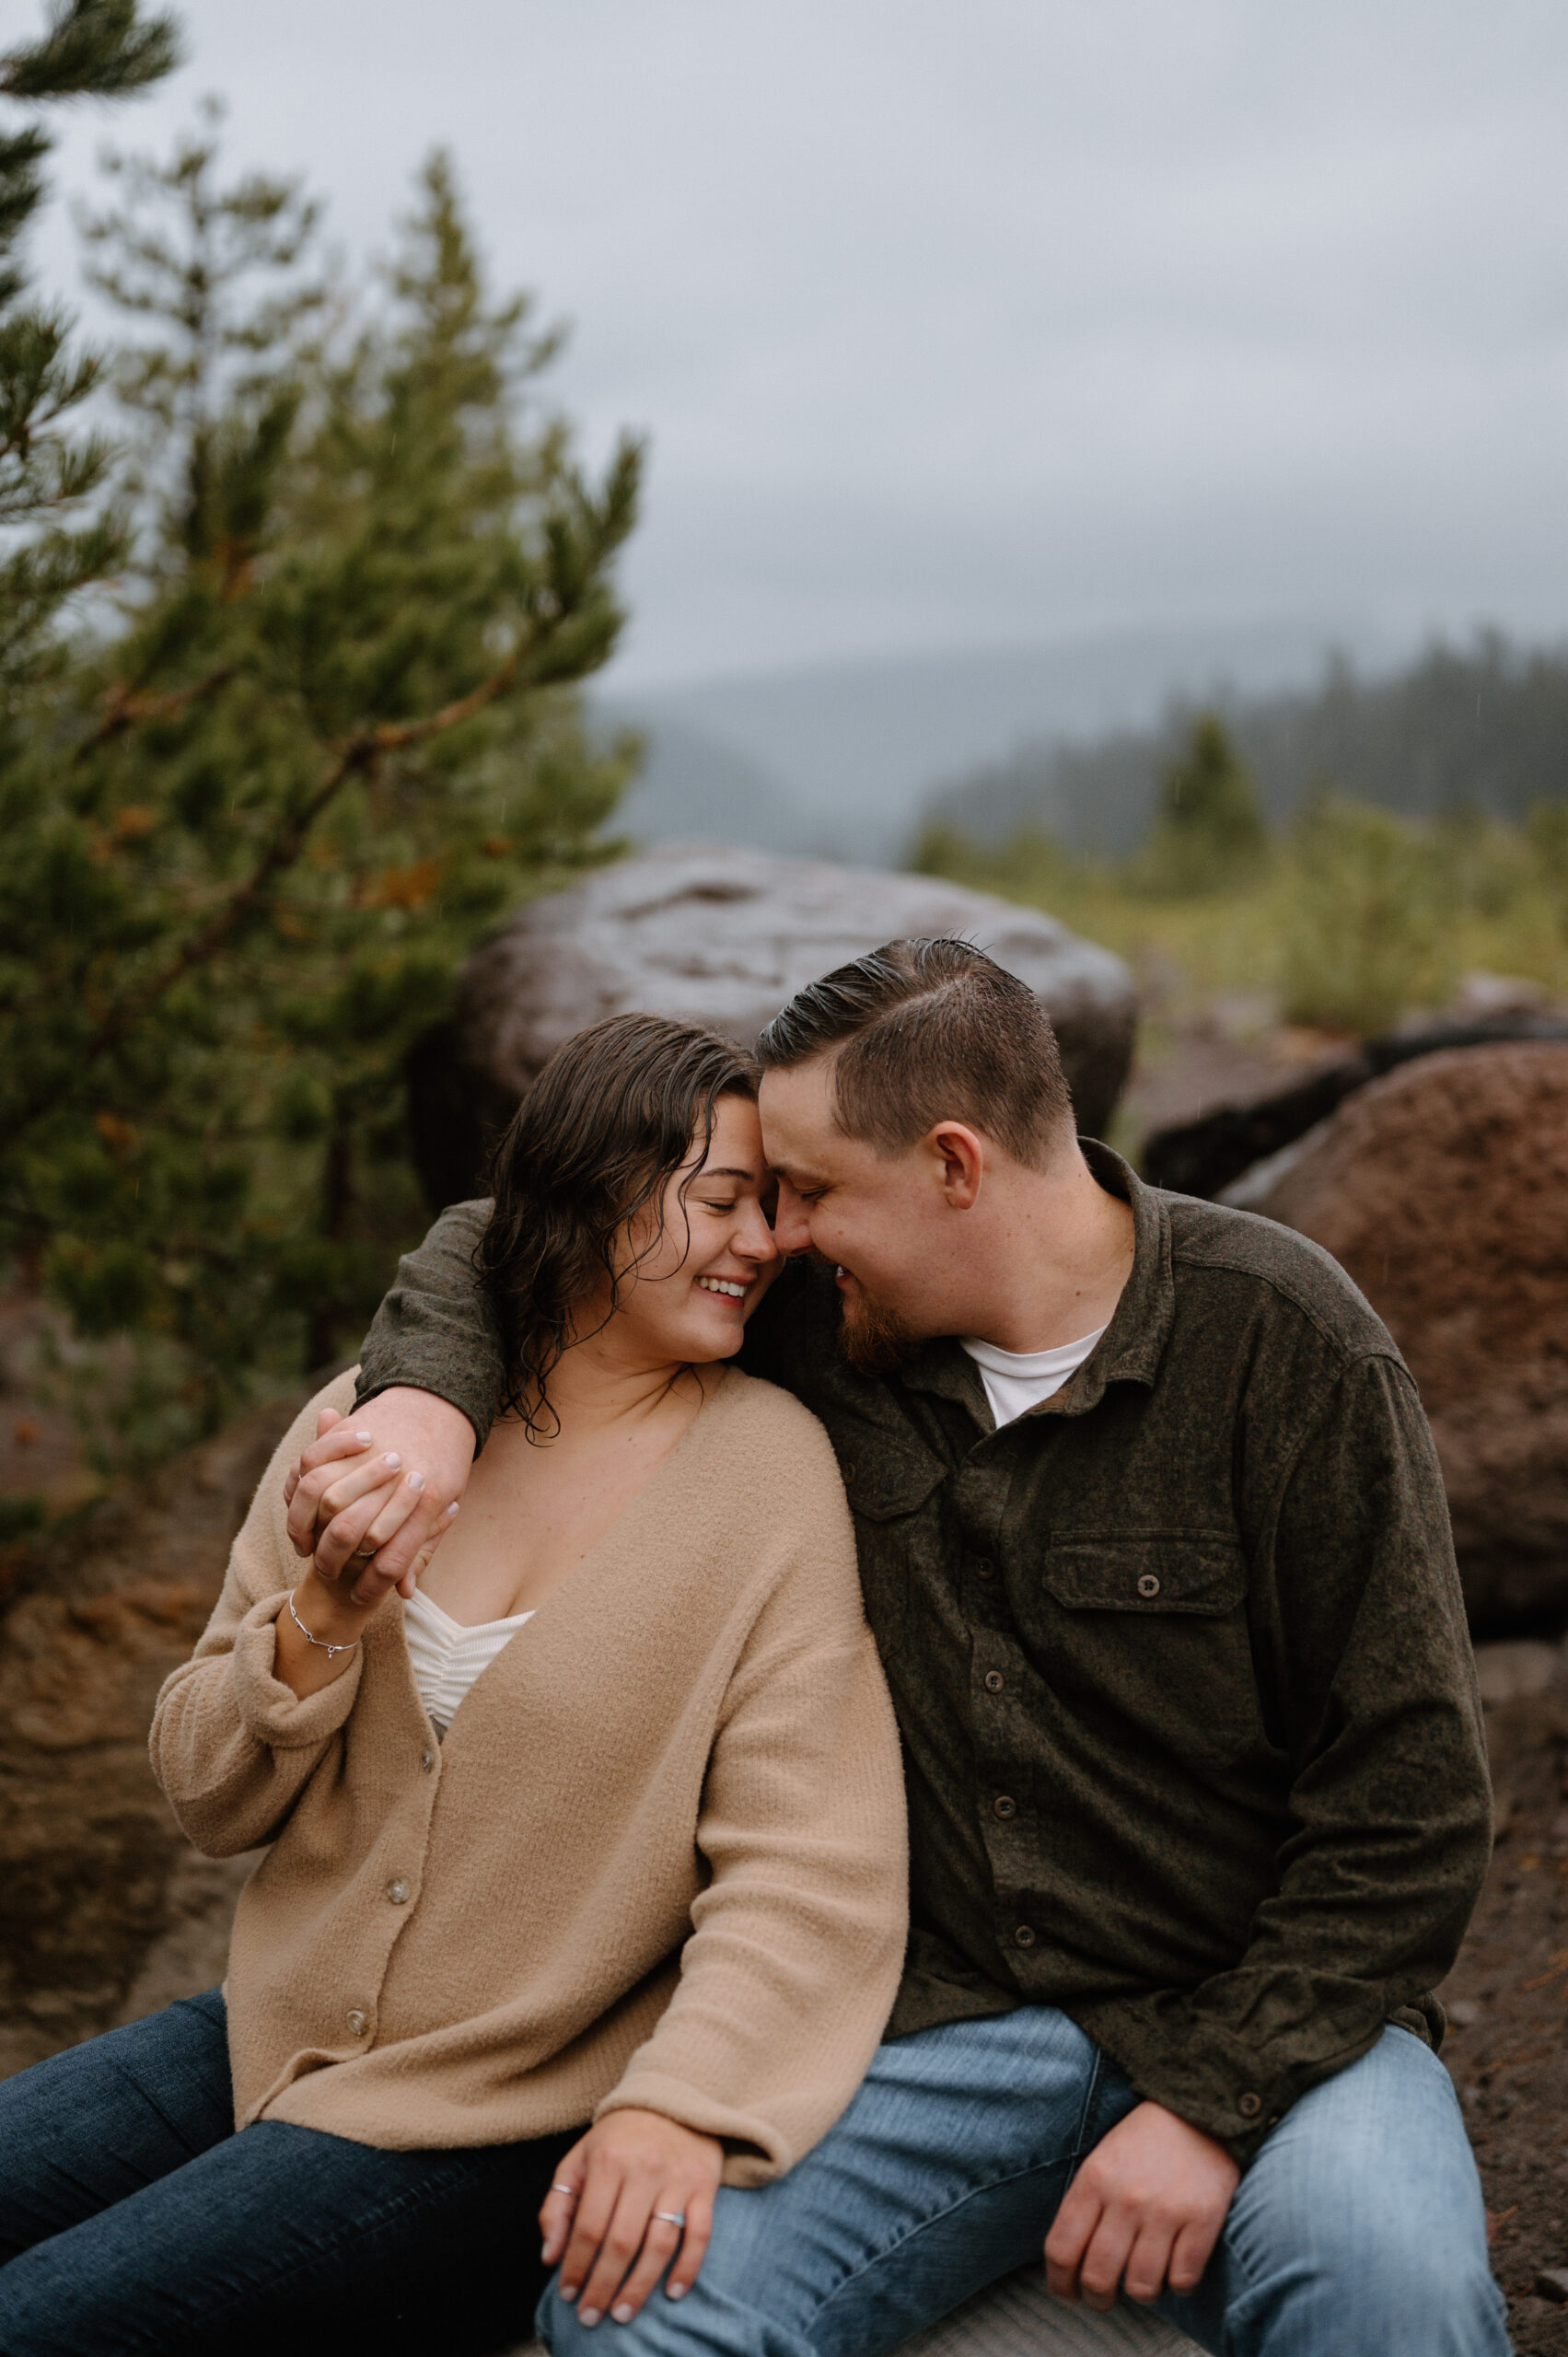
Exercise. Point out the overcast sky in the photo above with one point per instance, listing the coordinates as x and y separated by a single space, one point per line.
959 325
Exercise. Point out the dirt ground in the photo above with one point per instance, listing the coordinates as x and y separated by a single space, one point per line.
1507 2000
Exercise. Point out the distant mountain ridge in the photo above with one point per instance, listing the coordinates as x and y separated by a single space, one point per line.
842 760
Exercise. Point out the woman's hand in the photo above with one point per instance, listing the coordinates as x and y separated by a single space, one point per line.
346 1504
628 2171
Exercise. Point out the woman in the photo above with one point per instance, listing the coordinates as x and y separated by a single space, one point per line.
585 1884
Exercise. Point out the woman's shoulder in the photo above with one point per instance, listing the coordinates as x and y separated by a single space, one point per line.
783 1443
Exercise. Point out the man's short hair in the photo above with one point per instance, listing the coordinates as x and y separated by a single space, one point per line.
926 1031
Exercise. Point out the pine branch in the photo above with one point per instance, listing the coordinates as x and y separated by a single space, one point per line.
362 755
124 707
97 49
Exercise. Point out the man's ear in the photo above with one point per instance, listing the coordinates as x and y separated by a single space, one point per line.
958 1157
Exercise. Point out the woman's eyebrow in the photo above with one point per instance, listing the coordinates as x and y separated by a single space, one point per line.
724 1171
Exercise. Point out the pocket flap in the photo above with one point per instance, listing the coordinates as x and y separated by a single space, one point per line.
884 1479
1154 1572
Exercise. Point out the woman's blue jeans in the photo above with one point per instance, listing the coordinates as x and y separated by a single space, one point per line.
1357 2232
134 2219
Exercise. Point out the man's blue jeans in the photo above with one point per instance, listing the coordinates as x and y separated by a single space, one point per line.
1357 2232
134 2219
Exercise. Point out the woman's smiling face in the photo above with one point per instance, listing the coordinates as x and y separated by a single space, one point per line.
687 1290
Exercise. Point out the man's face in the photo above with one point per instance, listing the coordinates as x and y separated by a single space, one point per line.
881 1220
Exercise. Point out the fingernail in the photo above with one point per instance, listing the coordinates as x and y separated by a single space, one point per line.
364 1439
416 1480
588 2317
568 2292
675 2291
451 1510
393 1460
621 2313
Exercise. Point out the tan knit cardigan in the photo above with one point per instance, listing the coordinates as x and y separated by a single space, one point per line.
658 1860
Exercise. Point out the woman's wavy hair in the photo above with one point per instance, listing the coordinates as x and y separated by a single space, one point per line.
594 1143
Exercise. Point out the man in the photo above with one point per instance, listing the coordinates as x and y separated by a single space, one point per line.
1154 1548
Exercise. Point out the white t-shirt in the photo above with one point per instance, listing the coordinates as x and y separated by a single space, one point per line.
1017 1380
446 1657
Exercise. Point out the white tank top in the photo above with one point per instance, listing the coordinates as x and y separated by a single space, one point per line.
446 1657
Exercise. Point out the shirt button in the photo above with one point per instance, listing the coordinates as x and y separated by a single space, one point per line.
1023 1937
358 2022
1148 1584
985 1571
1250 2104
1004 1806
995 1681
397 1891
427 1760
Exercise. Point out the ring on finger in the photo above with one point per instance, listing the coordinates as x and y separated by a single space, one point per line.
671 2217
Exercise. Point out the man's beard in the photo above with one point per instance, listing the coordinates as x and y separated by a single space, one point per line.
874 1339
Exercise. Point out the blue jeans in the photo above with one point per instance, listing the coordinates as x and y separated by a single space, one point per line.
1357 2232
133 2217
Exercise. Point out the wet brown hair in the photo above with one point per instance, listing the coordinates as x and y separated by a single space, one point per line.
925 1031
594 1143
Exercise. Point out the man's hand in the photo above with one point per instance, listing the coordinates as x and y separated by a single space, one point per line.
383 1486
612 2209
1144 2212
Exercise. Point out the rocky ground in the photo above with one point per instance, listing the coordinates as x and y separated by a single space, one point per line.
1507 1997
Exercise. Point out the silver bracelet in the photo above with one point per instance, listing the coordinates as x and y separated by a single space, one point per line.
321 1641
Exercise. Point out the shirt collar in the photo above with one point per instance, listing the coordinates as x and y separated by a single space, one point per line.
1133 1343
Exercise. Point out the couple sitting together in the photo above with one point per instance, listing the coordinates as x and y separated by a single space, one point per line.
588 1963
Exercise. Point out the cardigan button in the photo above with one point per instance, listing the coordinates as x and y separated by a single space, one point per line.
1149 1584
1023 1936
359 2023
1250 2104
995 1681
427 1761
1004 1806
397 1891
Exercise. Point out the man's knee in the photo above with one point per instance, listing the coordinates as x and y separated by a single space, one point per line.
1364 2213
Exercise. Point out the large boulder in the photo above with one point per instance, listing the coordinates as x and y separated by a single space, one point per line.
1443 1189
724 937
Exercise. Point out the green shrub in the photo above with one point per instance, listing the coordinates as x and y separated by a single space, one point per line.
1368 931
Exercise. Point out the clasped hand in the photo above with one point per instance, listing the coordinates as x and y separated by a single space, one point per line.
372 1497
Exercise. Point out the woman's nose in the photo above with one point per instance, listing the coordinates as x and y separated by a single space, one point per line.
754 1239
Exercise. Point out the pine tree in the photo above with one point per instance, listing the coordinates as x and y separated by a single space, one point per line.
335 739
1209 830
101 49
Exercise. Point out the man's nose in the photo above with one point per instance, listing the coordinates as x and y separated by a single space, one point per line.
791 1230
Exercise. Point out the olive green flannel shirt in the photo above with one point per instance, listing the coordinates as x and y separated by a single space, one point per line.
1192 1737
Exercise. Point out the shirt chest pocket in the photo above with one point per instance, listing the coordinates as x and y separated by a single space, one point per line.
1151 1628
890 1488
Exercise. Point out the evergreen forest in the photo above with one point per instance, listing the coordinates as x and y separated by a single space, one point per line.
1345 856
299 582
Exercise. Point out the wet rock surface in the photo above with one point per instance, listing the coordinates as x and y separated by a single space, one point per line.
1443 1189
724 937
